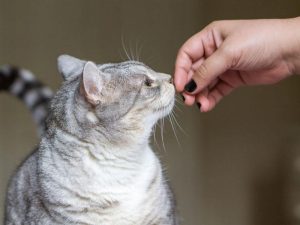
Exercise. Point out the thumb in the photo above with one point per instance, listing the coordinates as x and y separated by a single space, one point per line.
211 68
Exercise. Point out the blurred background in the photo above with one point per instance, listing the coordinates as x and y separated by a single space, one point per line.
237 165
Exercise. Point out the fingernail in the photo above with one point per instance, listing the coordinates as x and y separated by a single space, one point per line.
183 98
190 86
199 105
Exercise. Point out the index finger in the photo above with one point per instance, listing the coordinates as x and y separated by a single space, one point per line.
191 51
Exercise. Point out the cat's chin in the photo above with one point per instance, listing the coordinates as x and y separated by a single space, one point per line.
165 110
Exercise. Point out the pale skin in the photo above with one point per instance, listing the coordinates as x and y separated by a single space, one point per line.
226 55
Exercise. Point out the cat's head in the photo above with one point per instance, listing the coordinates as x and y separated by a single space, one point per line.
128 97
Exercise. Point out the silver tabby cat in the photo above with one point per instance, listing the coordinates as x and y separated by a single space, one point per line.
94 165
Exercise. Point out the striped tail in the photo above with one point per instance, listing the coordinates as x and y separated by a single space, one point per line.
24 85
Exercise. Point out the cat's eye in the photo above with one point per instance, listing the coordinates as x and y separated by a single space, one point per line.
148 82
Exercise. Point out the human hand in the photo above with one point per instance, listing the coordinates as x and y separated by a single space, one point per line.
229 54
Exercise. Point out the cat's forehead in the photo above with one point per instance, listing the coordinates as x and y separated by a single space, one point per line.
126 68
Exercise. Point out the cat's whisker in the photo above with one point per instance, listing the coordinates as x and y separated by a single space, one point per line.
140 51
155 139
131 52
149 59
122 56
136 51
162 133
173 128
175 114
177 108
177 123
178 100
124 48
158 123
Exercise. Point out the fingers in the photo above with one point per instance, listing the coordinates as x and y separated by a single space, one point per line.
188 99
199 46
214 96
191 52
208 71
182 68
199 63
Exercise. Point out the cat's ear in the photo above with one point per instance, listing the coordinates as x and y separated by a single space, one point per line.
69 66
92 83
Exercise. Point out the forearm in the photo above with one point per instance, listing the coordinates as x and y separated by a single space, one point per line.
292 51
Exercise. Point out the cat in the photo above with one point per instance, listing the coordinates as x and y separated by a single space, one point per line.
94 164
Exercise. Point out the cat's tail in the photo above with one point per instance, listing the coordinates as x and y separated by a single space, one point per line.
24 85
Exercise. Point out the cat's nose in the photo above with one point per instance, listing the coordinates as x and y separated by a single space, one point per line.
171 80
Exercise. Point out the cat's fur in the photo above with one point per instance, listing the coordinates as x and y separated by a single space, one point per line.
24 85
94 165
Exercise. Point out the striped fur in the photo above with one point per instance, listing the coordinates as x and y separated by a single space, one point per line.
24 85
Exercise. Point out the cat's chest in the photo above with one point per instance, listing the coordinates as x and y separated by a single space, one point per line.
117 196
108 192
120 186
125 209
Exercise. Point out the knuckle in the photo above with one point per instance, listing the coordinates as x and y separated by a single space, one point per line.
214 24
201 72
227 51
230 55
180 53
217 24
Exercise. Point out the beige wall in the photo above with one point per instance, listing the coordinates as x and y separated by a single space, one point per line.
230 168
